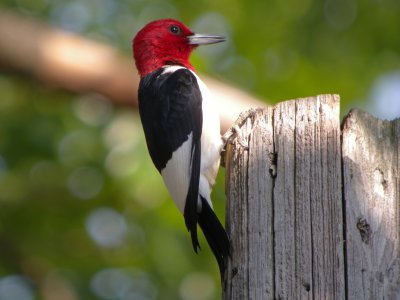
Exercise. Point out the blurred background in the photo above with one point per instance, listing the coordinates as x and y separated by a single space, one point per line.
83 212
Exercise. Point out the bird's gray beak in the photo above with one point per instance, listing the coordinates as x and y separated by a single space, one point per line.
205 39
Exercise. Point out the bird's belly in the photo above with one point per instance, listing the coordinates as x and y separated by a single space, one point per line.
211 142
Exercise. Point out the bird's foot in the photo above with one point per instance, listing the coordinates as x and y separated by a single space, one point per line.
235 132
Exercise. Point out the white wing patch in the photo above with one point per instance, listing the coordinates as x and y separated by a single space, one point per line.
176 173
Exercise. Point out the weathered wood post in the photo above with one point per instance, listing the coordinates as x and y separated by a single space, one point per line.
371 178
297 216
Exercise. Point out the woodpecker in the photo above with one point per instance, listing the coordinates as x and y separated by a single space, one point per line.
181 126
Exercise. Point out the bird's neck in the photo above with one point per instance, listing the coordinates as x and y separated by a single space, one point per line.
155 64
155 58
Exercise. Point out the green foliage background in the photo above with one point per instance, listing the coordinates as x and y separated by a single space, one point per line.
83 213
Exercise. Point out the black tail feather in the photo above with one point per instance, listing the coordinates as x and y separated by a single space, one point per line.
215 235
190 212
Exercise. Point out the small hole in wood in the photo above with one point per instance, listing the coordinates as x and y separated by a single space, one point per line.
307 286
365 230
234 271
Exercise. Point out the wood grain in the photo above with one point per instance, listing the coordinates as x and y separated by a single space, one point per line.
286 228
371 165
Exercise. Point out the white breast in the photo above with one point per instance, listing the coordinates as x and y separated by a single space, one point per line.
211 142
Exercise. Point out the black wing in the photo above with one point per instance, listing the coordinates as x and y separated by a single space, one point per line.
170 107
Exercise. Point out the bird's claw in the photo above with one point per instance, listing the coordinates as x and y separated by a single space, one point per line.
231 134
235 131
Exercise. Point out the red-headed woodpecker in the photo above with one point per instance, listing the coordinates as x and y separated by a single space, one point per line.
181 126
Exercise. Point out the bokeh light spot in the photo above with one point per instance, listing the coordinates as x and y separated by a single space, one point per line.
340 14
15 287
122 284
385 96
93 109
122 131
106 227
121 161
213 23
85 182
78 147
74 16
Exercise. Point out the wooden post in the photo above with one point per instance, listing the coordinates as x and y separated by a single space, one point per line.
371 177
293 200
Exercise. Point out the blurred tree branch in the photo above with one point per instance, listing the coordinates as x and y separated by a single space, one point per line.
68 61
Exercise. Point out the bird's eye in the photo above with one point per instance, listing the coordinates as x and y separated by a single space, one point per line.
175 29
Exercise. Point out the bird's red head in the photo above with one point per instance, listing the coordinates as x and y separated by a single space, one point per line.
166 42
